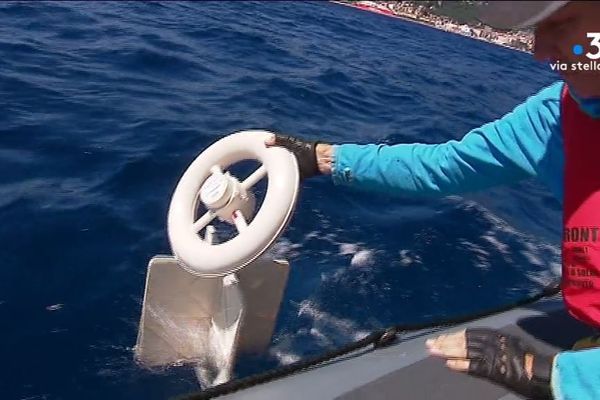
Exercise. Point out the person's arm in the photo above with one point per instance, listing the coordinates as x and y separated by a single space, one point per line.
504 151
576 375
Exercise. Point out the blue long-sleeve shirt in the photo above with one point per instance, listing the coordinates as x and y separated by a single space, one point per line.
525 143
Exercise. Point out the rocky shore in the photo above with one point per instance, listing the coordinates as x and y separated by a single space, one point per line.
411 10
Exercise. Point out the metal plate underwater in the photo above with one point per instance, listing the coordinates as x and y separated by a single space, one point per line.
208 321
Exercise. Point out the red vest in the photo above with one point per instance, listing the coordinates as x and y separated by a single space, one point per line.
581 213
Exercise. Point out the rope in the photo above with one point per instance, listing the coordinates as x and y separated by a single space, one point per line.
377 339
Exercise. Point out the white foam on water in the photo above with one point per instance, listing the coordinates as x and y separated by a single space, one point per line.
542 278
311 235
408 257
326 330
531 252
322 339
363 258
333 275
327 322
498 245
360 257
347 248
550 270
542 256
482 256
284 357
284 249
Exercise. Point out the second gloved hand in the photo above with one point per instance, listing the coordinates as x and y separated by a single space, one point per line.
310 161
499 357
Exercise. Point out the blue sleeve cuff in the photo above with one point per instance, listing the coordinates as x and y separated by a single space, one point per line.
576 375
341 172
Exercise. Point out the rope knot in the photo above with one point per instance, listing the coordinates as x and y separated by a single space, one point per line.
387 337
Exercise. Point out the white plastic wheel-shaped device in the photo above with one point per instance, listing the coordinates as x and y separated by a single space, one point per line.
202 257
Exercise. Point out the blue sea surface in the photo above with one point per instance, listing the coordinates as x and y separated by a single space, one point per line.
104 105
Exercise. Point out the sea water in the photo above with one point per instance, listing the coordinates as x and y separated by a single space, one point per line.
104 105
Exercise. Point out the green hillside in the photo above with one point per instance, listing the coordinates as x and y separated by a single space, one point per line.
462 12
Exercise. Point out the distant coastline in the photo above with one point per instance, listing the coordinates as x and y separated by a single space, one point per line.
408 11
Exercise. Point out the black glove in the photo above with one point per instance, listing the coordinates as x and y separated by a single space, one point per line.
501 358
305 153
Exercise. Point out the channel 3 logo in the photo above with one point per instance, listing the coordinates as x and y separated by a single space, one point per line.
595 42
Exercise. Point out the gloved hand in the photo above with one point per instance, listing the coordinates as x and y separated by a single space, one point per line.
501 358
305 152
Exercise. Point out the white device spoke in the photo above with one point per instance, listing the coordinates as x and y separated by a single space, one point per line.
216 170
255 177
204 220
209 235
240 221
